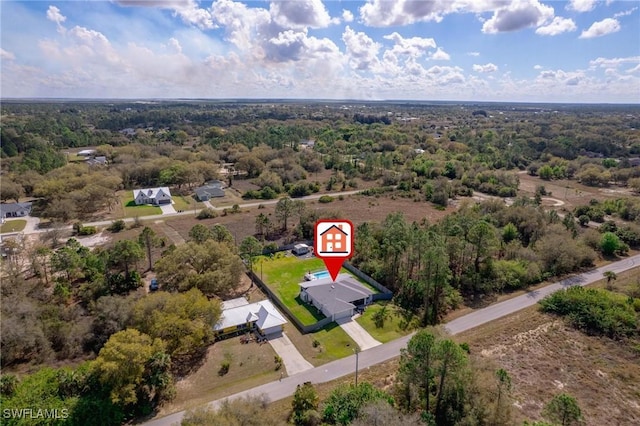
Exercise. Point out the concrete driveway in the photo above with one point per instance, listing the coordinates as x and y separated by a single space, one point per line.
293 360
357 333
167 208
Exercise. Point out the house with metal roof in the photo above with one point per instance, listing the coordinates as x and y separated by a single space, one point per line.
337 299
239 316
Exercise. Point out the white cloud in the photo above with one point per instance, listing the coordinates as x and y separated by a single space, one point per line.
361 49
188 10
613 62
6 56
299 14
414 46
581 5
625 13
518 15
440 55
561 77
174 44
634 69
557 26
485 68
537 67
601 28
54 15
347 16
473 53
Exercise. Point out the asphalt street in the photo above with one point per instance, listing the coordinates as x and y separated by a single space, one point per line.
378 354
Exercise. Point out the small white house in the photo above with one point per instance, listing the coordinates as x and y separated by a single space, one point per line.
155 196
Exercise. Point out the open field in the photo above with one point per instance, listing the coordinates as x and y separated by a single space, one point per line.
571 192
391 329
185 202
13 225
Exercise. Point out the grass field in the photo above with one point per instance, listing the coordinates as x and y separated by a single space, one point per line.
132 210
391 329
13 225
282 275
180 202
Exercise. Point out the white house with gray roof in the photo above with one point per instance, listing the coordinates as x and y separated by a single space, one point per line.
11 210
155 196
239 316
336 300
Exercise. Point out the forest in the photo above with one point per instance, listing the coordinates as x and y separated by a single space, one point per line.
80 332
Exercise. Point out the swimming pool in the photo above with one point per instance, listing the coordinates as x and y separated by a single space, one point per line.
321 274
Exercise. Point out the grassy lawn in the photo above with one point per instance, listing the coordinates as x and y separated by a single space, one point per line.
331 343
13 225
282 275
180 202
132 210
391 329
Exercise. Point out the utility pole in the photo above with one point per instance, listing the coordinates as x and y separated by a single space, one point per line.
357 351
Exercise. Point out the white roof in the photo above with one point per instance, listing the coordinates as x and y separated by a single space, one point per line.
234 303
264 313
151 192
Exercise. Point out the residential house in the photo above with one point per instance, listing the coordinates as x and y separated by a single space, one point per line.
300 249
337 299
100 160
333 240
212 189
9 210
238 316
155 196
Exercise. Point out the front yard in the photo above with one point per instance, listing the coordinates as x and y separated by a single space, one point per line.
13 225
130 209
391 325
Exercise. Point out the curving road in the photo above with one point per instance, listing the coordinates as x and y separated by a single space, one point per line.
370 357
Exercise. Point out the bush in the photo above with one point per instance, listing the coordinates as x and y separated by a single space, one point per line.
278 361
224 368
117 226
596 311
325 199
87 230
207 213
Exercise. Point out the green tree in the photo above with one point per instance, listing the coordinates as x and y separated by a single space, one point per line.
67 259
122 363
285 208
262 225
563 409
345 402
149 239
503 387
250 247
221 234
305 399
184 321
545 172
610 276
609 243
200 233
212 267
509 232
380 316
125 254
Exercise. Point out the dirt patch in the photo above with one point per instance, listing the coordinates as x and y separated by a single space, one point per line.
544 357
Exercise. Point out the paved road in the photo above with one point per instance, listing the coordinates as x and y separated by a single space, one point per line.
378 354
189 212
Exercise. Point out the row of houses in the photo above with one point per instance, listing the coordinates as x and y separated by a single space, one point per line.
162 195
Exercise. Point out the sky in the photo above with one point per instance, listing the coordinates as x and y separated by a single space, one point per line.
578 51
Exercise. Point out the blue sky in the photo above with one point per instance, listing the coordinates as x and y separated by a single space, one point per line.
467 50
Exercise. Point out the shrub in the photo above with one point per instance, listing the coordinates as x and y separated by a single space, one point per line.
117 226
278 361
207 213
87 230
325 199
224 368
